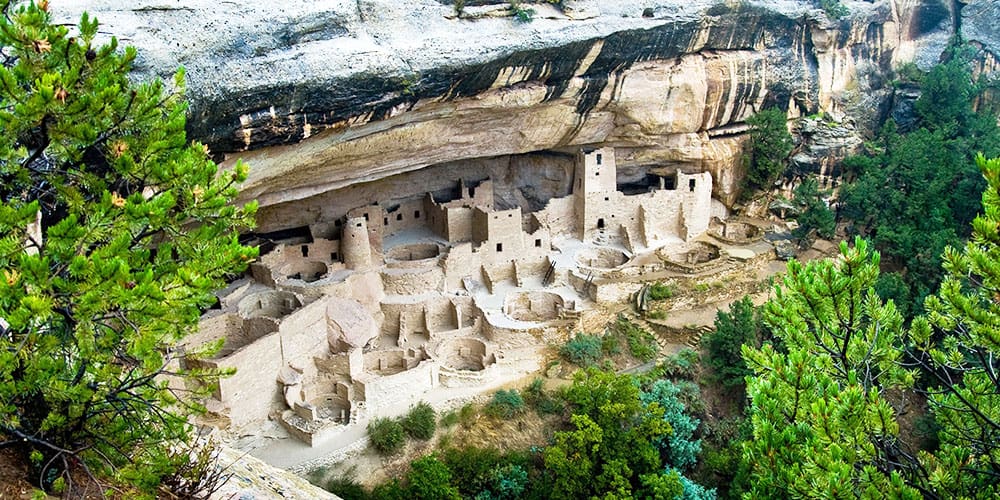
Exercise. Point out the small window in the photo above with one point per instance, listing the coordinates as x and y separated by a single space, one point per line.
510 215
669 183
598 158
499 247
385 221
691 185
305 250
358 224
336 223
597 174
606 198
334 257
366 216
600 223
538 242
416 214
399 216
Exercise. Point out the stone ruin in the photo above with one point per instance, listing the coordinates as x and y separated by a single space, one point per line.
404 296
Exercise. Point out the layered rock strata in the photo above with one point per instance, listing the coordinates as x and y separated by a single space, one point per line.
320 95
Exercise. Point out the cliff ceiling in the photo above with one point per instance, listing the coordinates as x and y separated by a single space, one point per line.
321 95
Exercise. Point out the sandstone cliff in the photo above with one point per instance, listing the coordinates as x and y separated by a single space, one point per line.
322 95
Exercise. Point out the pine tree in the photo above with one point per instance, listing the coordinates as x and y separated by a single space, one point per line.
962 358
114 231
822 425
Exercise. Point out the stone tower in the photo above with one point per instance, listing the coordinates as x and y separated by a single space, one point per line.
354 244
594 189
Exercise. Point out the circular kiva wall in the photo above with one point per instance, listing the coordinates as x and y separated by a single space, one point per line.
305 270
600 258
737 231
465 354
334 406
413 252
533 306
698 253
271 304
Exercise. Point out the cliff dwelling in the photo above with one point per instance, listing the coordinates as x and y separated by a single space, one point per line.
370 306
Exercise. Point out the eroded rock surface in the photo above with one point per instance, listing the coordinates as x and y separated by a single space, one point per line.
321 95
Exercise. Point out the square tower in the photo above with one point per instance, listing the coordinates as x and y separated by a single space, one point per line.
595 171
595 191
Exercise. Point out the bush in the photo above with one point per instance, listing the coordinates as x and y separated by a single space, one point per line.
582 349
834 9
419 423
429 478
741 325
345 488
660 291
449 419
505 404
543 402
641 343
815 214
386 435
610 345
681 365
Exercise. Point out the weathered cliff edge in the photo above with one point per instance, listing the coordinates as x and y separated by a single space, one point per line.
321 95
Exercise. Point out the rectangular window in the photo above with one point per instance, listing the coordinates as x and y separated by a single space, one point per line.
305 250
538 242
399 216
416 214
598 158
385 221
499 247
334 257
366 216
691 185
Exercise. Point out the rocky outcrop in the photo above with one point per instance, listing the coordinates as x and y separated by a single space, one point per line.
318 96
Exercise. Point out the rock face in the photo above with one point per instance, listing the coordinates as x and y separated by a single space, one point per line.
322 95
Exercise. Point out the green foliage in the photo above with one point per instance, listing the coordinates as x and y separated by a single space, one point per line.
420 422
917 193
814 214
459 7
430 479
680 365
660 291
137 230
522 14
543 402
820 422
909 72
386 435
893 286
392 490
834 9
742 325
612 444
582 350
505 404
965 395
449 419
343 487
770 144
641 343
679 448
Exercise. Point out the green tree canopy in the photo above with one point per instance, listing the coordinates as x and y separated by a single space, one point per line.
821 423
770 144
961 358
136 230
914 194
